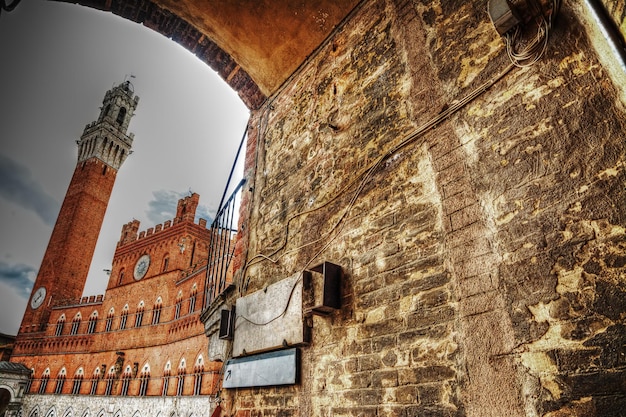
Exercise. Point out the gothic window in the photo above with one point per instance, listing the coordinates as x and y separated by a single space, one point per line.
126 381
109 386
166 261
110 379
94 381
93 319
107 110
180 378
167 372
75 324
198 372
192 298
121 277
124 317
145 379
109 321
121 115
78 381
156 311
139 314
58 389
179 303
60 325
180 384
44 381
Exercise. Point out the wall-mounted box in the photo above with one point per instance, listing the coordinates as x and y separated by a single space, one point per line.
227 324
322 288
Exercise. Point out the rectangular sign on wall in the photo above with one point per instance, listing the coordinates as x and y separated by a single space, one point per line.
265 369
270 319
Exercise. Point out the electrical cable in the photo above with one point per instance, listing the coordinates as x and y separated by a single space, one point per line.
368 171
537 46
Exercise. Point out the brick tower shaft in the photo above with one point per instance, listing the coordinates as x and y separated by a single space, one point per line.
102 148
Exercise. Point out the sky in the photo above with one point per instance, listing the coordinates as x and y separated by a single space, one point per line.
57 60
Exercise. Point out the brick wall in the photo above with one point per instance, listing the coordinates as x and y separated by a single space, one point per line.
484 259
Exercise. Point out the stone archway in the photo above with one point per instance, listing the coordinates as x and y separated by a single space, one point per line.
254 49
5 399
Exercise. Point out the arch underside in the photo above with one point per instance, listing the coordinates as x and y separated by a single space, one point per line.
253 45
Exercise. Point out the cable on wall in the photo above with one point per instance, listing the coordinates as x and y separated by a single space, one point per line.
519 54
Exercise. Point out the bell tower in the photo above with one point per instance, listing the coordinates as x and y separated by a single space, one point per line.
102 148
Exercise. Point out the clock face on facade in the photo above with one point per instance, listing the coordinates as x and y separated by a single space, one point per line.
141 267
38 297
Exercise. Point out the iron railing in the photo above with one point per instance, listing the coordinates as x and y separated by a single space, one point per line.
222 247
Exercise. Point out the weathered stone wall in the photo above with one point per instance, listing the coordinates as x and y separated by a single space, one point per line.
484 259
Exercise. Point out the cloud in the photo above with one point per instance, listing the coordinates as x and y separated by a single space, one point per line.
18 276
163 207
18 186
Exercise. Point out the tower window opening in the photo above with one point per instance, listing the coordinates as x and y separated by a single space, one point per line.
166 261
177 312
121 115
104 170
121 277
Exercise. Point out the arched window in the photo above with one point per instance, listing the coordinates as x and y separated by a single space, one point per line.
120 279
124 317
167 372
156 311
180 378
93 319
192 298
76 324
198 372
139 314
95 377
60 325
166 261
58 389
110 380
109 322
145 379
45 377
126 376
78 381
121 115
179 303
